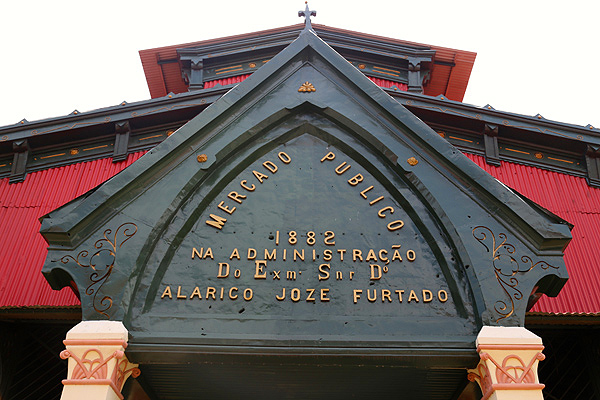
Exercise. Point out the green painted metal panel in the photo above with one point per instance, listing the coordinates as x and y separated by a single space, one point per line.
472 250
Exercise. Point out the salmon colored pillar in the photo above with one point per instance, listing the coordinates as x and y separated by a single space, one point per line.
98 367
508 366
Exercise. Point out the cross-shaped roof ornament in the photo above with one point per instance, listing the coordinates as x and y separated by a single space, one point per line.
307 13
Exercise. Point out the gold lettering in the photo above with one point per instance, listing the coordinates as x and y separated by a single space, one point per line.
290 275
167 292
251 253
211 292
299 254
384 256
356 253
329 157
235 253
276 275
375 272
356 295
355 180
179 295
365 191
411 255
413 296
270 166
396 256
386 294
310 293
196 292
208 253
338 275
244 184
223 274
371 256
381 212
324 293
395 225
371 299
328 240
427 296
399 293
295 295
216 222
284 157
260 274
327 254
226 208
221 297
324 269
260 176
235 196
341 251
248 293
341 171
196 253
442 295
282 297
272 255
231 296
351 274
377 200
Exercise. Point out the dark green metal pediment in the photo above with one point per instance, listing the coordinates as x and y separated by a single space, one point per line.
306 209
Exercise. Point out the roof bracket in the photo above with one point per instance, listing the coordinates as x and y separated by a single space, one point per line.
415 81
122 131
490 141
592 161
196 76
19 165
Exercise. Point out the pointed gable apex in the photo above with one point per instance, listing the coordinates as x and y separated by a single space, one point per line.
307 144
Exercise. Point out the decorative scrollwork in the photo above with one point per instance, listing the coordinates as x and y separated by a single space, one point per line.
513 369
102 263
483 377
92 365
506 267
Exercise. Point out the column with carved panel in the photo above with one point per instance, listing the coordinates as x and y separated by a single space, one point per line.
507 369
98 367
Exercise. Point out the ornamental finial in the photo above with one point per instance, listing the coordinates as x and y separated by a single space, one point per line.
307 13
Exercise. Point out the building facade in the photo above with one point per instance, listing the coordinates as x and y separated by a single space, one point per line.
358 111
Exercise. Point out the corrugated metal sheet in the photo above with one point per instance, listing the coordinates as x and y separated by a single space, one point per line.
572 199
388 84
225 81
23 250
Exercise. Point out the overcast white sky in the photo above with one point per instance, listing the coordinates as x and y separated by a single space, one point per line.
532 56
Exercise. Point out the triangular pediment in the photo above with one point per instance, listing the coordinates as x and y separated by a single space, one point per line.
306 209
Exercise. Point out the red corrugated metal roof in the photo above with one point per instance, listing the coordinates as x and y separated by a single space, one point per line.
21 204
572 199
23 249
388 84
225 81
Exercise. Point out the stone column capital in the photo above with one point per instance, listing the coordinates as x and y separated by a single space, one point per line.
509 358
97 365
